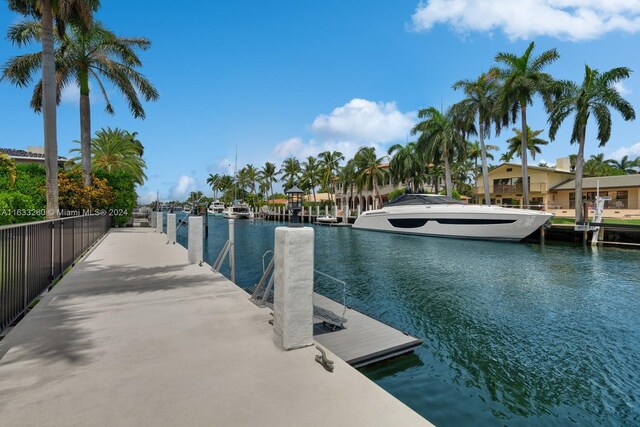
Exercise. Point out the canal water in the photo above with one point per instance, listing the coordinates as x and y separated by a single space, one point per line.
514 334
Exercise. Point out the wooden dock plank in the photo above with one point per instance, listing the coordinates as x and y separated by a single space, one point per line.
365 340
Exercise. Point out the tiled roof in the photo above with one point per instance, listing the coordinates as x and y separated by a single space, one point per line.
12 152
617 181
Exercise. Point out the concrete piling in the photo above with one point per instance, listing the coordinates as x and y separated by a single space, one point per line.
293 297
195 240
232 251
171 228
159 224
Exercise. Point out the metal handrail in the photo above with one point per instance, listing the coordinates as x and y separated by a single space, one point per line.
344 289
264 255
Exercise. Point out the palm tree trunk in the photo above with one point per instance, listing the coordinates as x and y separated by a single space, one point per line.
375 187
447 174
525 172
485 169
579 173
85 128
49 111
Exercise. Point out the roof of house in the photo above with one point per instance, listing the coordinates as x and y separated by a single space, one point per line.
12 152
518 165
617 181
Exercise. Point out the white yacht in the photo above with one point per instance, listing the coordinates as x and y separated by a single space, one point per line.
435 215
216 208
238 210
186 208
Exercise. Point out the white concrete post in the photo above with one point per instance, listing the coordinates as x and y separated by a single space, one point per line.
153 219
326 210
317 211
171 227
335 211
359 210
302 216
159 225
345 210
195 239
232 251
293 297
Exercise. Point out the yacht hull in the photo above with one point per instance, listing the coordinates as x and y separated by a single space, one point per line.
455 221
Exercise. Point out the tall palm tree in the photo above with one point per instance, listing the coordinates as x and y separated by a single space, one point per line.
96 53
212 180
624 165
439 140
330 165
407 164
481 101
522 79
50 13
533 143
252 177
369 170
474 152
112 149
594 97
348 177
268 175
311 176
290 172
8 163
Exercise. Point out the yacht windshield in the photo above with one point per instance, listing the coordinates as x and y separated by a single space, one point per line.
422 199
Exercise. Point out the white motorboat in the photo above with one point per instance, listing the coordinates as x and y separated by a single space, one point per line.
238 210
435 215
186 208
327 219
216 208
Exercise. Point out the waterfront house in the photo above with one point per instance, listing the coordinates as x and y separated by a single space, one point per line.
30 155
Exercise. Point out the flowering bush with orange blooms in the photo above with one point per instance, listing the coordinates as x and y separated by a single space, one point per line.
75 196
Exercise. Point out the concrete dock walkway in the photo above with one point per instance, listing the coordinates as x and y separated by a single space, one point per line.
134 335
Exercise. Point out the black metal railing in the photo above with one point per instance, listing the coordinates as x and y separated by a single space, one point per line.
34 255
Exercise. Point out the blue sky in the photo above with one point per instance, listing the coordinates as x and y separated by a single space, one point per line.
295 78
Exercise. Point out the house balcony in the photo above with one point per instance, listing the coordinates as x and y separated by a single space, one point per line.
506 189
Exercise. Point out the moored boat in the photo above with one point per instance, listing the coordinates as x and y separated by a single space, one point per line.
238 210
441 216
216 208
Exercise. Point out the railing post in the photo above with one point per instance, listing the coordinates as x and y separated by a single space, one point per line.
53 242
232 251
25 268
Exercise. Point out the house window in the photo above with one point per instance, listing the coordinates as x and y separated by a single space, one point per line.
509 169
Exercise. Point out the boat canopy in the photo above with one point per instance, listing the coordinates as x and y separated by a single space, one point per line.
423 199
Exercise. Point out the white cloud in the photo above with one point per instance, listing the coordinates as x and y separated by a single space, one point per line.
620 87
182 188
147 197
525 19
288 148
71 94
364 121
632 151
221 166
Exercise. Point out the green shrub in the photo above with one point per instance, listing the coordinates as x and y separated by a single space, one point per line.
16 207
30 181
396 193
124 188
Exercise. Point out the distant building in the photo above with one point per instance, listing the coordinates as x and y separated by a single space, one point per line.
30 155
554 188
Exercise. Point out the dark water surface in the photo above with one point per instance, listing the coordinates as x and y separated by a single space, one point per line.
514 334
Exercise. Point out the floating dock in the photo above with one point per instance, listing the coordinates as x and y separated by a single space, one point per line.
364 340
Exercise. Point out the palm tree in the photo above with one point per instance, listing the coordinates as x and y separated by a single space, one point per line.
112 149
596 165
82 54
407 164
330 165
482 96
290 172
252 177
522 78
625 165
348 177
212 180
533 143
474 152
8 163
268 175
51 12
311 174
439 140
594 98
369 171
